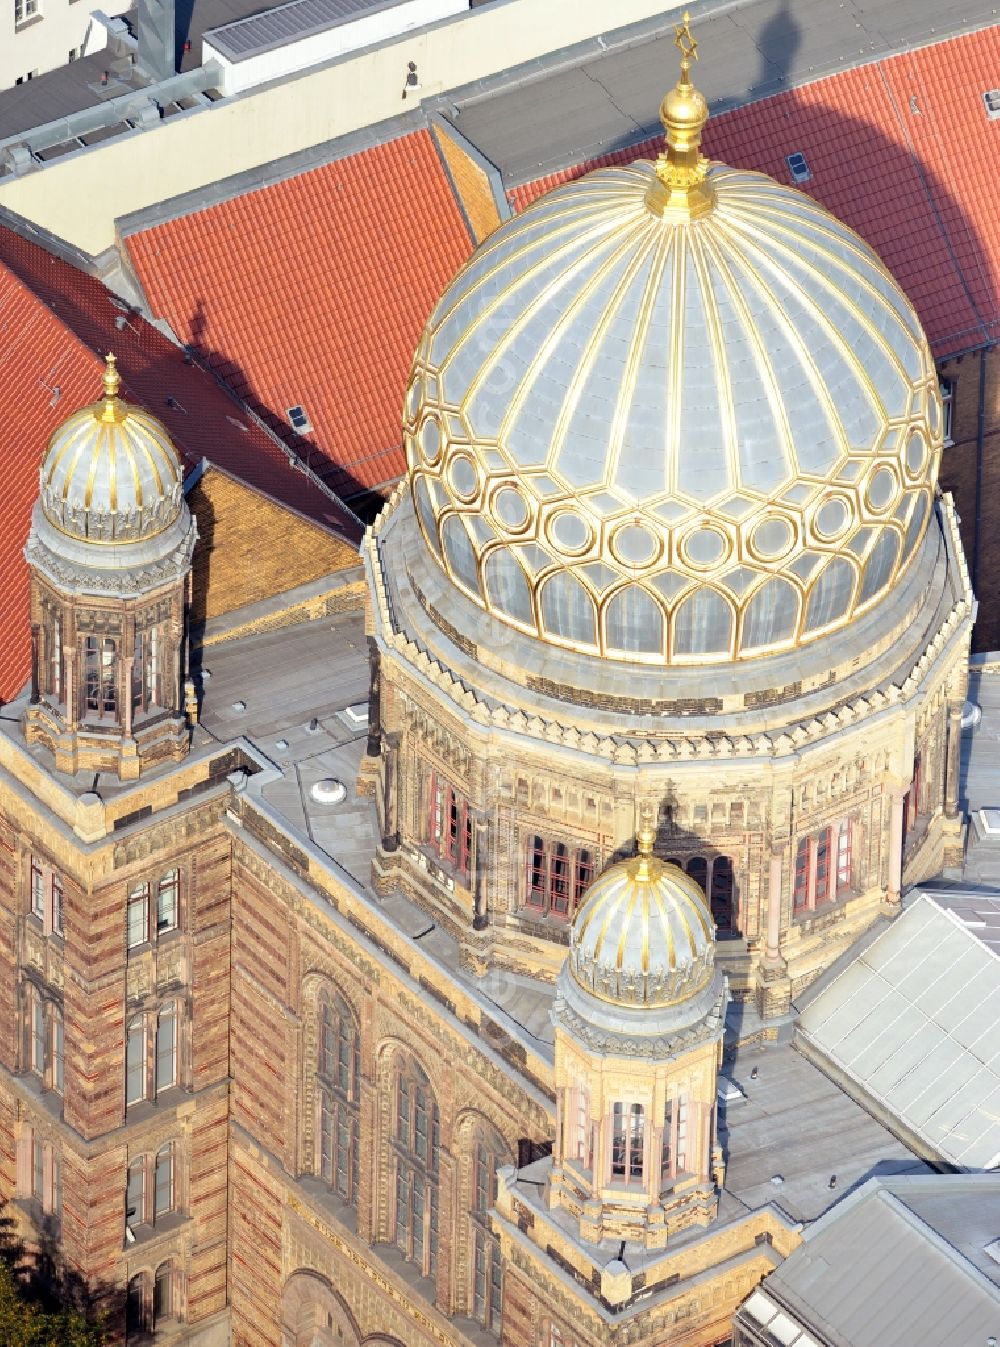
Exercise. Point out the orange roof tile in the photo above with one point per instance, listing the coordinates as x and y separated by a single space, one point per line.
902 150
314 291
54 323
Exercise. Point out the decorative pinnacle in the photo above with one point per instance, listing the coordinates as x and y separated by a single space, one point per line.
112 410
647 831
682 168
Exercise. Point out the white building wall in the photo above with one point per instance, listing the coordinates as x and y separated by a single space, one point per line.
346 37
38 35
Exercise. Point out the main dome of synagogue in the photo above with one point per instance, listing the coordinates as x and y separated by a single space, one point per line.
672 413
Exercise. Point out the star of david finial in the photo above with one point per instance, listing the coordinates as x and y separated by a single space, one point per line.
685 42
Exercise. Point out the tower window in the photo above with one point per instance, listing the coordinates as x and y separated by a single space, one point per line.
627 1142
449 826
99 671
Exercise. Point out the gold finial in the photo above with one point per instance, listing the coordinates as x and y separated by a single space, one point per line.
112 409
682 169
645 840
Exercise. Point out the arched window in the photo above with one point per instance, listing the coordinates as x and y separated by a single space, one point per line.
146 670
416 1146
488 1154
723 913
164 1294
163 1181
628 1140
338 1081
136 1313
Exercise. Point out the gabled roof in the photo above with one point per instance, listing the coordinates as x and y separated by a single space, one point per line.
900 149
313 292
911 1026
55 323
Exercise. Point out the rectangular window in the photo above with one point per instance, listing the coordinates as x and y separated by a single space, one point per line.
58 1053
135 1193
37 1034
537 873
666 1149
619 1157
682 1118
166 902
137 652
56 676
559 878
57 905
166 1049
91 674
845 875
581 1129
23 10
163 1186
947 407
823 849
627 1142
636 1143
800 894
584 875
138 915
436 821
38 1169
135 1062
37 890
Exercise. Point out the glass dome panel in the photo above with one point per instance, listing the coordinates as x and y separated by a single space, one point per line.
458 550
703 624
634 622
507 586
879 565
427 516
771 615
568 610
831 594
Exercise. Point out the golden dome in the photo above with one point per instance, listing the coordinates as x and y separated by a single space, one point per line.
674 413
643 935
110 472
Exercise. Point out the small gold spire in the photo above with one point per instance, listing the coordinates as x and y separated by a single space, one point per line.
682 169
644 843
112 408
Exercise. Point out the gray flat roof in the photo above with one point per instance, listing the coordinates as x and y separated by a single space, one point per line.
911 1024
606 94
884 1269
249 36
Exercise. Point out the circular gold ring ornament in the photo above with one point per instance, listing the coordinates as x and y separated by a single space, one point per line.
705 547
463 477
569 532
832 518
635 546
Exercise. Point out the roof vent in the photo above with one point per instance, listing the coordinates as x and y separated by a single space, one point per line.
992 100
993 1249
298 420
798 167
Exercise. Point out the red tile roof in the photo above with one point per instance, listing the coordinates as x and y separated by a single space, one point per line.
55 322
900 149
314 291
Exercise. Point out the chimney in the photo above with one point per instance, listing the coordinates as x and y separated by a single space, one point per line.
157 38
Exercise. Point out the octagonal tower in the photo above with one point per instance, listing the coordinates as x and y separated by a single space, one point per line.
109 553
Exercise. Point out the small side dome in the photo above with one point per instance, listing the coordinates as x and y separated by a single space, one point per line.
110 473
643 935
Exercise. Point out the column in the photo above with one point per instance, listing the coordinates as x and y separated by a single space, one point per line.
953 759
71 688
127 667
480 861
374 747
34 663
390 766
772 952
894 882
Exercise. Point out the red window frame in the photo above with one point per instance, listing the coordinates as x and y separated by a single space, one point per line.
449 825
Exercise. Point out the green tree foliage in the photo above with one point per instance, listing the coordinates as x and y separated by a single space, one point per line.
26 1325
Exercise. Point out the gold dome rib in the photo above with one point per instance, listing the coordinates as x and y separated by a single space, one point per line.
634 894
564 274
527 381
784 249
796 342
562 239
642 247
626 390
769 378
717 345
675 361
